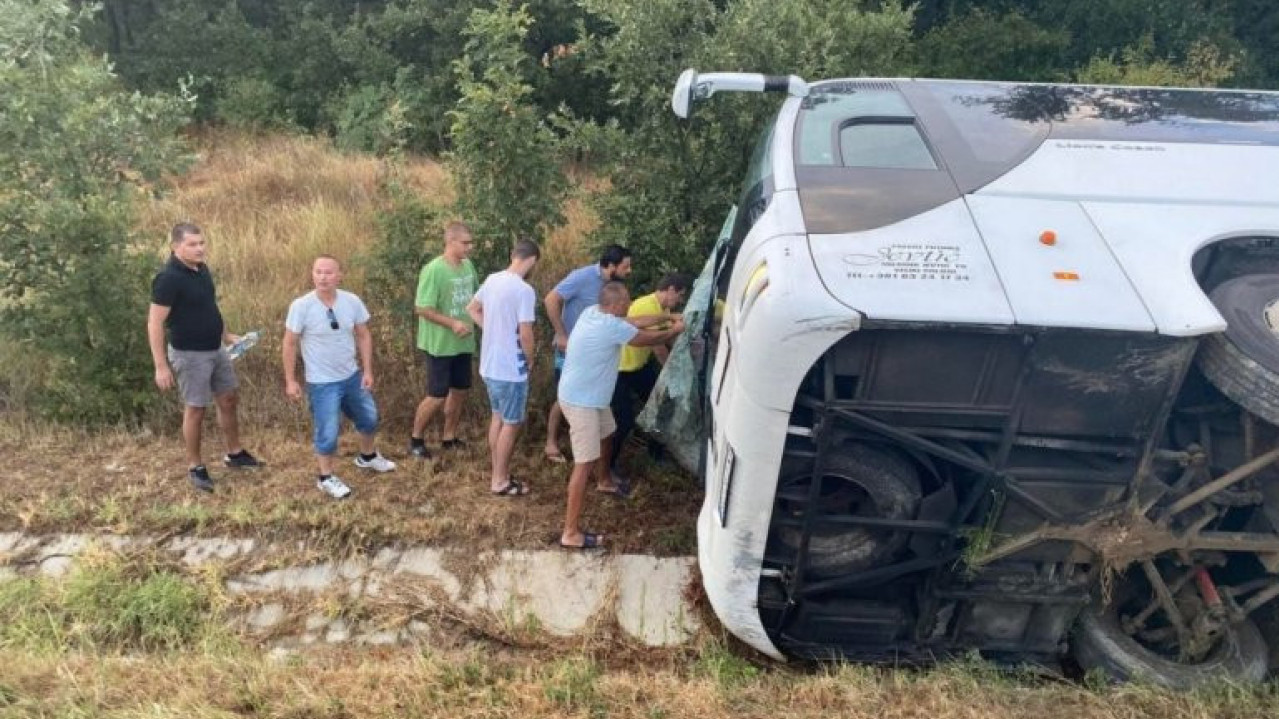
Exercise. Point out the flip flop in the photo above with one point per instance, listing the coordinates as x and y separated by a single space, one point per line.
589 541
556 458
621 491
513 488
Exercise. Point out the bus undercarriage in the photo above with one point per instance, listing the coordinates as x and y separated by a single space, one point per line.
1025 493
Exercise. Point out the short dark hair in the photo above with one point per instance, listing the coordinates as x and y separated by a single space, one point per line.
613 255
677 280
525 248
181 230
611 292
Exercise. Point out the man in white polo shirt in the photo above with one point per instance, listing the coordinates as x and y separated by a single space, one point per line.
586 389
331 324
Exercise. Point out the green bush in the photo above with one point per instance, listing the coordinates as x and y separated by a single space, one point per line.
252 103
77 152
410 233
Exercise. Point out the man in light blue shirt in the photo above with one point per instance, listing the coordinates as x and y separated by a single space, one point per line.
330 324
564 304
586 390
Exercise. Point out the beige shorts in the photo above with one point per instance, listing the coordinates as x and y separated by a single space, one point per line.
587 427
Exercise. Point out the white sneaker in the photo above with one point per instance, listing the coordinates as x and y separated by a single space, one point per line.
377 464
334 487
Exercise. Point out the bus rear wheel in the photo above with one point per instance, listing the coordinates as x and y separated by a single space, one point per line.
1126 641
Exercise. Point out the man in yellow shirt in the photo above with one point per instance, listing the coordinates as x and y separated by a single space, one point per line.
638 368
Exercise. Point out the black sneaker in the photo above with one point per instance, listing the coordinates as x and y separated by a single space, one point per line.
241 460
419 451
200 478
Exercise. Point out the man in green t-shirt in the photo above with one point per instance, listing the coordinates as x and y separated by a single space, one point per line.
446 336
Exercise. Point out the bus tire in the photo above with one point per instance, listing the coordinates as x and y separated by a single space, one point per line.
890 485
1243 361
1099 643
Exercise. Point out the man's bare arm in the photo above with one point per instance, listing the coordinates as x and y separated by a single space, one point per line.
652 338
476 311
364 344
645 322
555 311
527 342
289 357
156 315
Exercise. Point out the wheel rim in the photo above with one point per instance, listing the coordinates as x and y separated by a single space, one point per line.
1271 316
1153 624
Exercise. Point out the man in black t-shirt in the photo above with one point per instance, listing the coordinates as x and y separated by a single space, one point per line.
183 300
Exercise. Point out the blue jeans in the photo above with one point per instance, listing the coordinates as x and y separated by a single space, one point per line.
330 400
507 399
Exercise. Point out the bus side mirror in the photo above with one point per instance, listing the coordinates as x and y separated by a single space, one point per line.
692 87
682 97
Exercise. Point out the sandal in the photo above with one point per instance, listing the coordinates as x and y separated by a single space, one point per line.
621 489
555 458
513 488
589 541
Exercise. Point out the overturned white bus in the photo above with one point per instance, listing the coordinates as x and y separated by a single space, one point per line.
997 369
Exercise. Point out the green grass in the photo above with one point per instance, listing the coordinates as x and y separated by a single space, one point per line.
110 603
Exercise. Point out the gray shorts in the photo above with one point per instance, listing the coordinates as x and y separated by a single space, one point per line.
201 375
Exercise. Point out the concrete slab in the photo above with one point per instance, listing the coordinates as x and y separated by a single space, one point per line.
650 599
561 593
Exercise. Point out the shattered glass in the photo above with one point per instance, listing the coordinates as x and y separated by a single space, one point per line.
674 414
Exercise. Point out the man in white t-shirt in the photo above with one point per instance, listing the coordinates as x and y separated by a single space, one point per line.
503 309
586 391
331 324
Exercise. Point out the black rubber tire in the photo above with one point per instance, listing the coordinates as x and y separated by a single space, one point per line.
1243 361
1100 643
890 482
1267 618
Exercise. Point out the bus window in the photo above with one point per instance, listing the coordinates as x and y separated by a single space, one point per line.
888 144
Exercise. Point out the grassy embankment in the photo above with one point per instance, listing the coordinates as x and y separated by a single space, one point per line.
139 638
268 206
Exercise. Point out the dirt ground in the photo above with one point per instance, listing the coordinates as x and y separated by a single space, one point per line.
60 480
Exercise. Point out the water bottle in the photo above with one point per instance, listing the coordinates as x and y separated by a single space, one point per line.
246 342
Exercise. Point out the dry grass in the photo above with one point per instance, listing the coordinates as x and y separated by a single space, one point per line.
134 482
462 683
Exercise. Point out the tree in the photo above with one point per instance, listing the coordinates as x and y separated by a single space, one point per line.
980 45
76 153
675 180
506 161
1204 66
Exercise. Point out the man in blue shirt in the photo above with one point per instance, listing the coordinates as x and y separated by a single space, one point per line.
564 304
586 390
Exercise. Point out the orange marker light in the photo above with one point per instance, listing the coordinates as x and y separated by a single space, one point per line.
1065 276
1048 237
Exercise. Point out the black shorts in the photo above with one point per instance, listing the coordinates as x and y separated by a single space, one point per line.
446 373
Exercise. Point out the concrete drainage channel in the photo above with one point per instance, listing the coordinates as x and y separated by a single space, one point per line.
553 592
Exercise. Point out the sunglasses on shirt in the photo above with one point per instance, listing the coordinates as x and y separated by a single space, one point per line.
333 319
